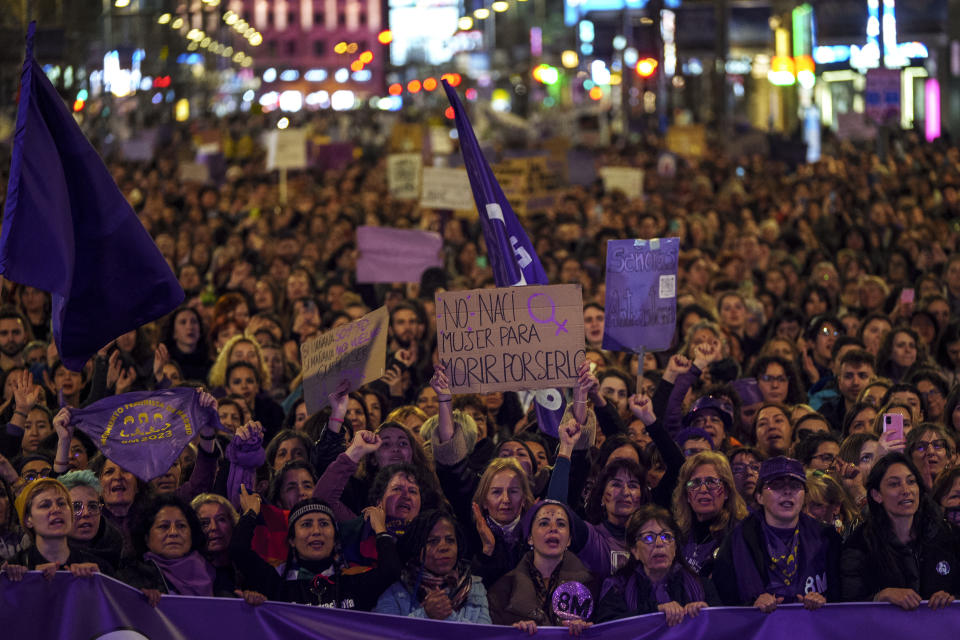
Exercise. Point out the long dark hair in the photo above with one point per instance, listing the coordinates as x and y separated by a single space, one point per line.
878 530
414 541
202 346
594 506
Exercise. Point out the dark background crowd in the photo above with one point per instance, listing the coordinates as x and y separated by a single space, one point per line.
797 443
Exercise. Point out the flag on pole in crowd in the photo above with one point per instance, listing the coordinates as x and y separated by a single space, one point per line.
512 256
68 229
145 431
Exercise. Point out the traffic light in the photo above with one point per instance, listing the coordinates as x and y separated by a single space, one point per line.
646 67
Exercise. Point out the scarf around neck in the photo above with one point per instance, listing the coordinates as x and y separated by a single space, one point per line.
783 549
190 575
419 581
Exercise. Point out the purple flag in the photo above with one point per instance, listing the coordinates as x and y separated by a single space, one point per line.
68 230
512 256
145 431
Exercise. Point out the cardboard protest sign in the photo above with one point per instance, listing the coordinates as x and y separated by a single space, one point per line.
641 304
396 255
511 338
193 172
687 140
528 183
403 175
356 352
287 149
446 189
626 179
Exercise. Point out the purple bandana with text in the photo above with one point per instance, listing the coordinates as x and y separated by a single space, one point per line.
145 431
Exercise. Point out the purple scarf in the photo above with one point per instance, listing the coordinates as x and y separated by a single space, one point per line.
245 457
783 549
190 575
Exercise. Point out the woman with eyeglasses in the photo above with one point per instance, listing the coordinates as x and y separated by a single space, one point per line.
932 449
779 554
818 451
706 506
904 552
778 380
656 578
91 532
44 507
745 465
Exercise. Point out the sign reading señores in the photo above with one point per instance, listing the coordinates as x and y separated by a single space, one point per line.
511 338
356 352
641 304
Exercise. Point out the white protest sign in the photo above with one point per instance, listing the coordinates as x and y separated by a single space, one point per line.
626 179
287 149
446 189
403 175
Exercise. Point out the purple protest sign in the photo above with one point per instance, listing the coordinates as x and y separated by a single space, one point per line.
641 303
145 431
396 255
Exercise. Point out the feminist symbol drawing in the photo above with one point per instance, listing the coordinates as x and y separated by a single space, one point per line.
561 326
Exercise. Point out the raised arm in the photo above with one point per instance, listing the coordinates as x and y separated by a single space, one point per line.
441 384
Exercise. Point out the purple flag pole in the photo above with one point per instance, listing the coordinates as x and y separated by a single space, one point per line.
512 256
68 229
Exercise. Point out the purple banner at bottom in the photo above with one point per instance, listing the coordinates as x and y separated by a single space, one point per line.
99 607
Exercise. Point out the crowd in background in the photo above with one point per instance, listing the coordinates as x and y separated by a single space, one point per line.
797 443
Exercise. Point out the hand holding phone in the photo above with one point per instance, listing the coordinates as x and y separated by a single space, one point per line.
892 438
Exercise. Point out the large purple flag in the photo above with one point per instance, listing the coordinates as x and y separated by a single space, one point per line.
67 229
512 256
145 431
99 608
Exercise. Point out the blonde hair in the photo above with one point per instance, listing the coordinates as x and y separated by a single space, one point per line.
218 372
24 501
400 414
822 487
213 498
734 508
496 466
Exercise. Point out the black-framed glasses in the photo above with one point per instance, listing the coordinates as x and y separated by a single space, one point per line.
32 475
826 458
710 483
741 468
939 445
827 331
92 508
769 378
650 537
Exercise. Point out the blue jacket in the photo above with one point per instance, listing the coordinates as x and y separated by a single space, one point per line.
398 601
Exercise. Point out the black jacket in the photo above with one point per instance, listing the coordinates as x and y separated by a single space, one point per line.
926 565
350 588
31 558
106 545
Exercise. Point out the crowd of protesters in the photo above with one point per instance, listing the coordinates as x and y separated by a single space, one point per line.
760 461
